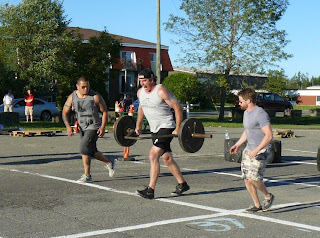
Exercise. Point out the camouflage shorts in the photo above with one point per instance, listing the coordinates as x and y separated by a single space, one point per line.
253 168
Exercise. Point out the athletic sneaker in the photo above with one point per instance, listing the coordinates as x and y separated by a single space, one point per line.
111 167
180 188
267 203
253 209
85 179
146 193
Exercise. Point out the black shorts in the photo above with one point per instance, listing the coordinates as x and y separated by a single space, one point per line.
163 143
88 145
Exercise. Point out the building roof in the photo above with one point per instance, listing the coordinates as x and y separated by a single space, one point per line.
194 70
126 41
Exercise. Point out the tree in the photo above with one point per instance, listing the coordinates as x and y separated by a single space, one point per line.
91 59
231 35
276 83
186 87
32 35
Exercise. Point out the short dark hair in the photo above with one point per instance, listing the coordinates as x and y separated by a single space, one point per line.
82 79
248 93
147 73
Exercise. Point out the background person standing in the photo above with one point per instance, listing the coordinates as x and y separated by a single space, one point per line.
8 101
29 105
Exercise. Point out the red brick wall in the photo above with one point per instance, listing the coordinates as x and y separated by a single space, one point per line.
307 100
143 53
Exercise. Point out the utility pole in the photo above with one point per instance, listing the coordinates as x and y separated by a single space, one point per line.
158 73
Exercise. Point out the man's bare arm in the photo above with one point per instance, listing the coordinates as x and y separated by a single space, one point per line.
66 110
173 102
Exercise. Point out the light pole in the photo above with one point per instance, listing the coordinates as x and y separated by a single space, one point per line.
158 73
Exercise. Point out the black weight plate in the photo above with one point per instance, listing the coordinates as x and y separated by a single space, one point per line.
121 130
187 128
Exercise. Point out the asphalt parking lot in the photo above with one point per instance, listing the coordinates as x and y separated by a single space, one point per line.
39 195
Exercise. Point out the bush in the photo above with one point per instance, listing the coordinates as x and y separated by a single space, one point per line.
186 87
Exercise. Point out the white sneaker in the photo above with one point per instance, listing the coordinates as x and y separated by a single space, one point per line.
111 167
85 179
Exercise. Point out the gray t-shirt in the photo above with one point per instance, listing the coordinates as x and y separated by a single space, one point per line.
87 111
253 122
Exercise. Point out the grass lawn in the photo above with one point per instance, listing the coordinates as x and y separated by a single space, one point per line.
305 122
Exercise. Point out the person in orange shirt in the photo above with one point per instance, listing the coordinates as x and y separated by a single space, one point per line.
29 105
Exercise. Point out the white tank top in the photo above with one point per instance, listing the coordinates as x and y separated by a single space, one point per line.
156 110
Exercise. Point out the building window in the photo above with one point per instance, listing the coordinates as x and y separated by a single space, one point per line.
128 58
126 83
153 57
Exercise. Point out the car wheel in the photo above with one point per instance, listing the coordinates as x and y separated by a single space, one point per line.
46 116
287 112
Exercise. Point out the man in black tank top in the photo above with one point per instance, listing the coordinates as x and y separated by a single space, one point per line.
155 103
87 104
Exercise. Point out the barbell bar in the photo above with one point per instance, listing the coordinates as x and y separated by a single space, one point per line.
191 134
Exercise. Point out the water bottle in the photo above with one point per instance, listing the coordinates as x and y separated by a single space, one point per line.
226 134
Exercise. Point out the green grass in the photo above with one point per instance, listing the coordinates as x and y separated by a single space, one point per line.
41 125
305 122
305 107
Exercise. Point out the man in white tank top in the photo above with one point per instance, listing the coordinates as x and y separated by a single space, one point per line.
155 103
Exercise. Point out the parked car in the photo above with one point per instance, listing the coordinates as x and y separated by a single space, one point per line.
273 102
42 110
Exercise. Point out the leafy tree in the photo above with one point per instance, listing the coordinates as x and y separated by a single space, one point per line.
315 80
276 83
32 35
92 59
237 35
185 86
212 86
300 81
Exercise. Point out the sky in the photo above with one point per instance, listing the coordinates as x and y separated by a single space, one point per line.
137 19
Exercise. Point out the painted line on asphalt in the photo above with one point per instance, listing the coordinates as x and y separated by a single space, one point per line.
265 179
141 226
303 151
297 162
221 212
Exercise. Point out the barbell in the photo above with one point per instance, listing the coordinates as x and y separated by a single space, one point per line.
191 133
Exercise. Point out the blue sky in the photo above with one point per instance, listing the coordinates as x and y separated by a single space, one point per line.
137 19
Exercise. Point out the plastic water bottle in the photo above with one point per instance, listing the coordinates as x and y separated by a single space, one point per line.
226 134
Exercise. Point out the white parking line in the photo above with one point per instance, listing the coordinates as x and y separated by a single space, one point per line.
297 162
220 212
266 179
303 151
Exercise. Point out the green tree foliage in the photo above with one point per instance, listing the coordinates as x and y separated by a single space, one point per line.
299 81
212 85
276 83
186 87
315 80
32 34
237 35
92 59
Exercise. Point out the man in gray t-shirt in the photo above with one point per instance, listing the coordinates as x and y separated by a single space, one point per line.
258 134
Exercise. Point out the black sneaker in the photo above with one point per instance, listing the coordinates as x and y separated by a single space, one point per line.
146 193
180 188
268 203
253 209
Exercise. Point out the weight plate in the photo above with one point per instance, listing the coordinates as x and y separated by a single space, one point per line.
186 141
121 130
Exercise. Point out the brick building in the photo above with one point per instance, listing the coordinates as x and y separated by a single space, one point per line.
134 56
